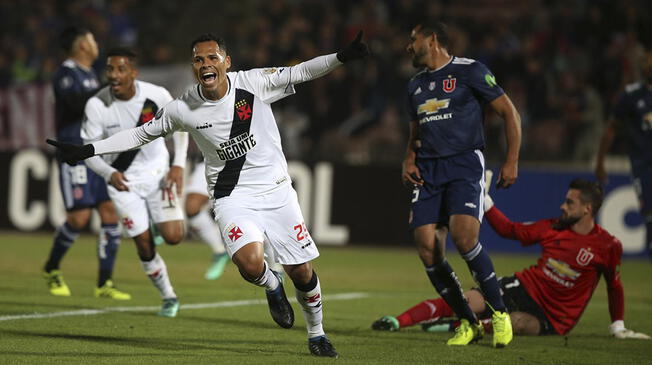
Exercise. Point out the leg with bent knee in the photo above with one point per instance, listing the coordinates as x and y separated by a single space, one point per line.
250 262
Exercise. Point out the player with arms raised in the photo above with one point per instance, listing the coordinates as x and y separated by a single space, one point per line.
229 115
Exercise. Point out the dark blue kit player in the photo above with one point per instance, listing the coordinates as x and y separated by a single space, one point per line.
445 165
74 83
633 111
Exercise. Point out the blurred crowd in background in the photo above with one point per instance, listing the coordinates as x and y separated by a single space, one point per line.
562 62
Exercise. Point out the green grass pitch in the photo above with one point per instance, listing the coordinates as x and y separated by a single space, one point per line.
234 327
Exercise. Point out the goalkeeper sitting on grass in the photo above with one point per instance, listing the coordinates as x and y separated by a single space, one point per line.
549 297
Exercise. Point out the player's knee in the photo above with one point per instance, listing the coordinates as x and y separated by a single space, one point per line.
524 324
78 219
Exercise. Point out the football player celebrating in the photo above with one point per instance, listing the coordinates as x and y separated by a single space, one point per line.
229 115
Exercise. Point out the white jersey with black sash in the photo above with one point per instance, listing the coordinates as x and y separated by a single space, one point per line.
106 115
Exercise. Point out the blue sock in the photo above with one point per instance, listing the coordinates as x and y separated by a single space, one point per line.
107 249
63 239
445 281
483 272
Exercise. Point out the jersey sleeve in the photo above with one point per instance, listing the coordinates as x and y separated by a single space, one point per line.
274 83
527 234
615 291
166 121
92 126
483 82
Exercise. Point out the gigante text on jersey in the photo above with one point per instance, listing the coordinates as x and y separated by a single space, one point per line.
236 147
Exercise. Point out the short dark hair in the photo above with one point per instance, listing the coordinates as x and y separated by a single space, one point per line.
126 52
69 35
439 29
209 37
591 192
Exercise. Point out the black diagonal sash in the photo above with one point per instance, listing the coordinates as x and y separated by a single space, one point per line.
124 159
242 114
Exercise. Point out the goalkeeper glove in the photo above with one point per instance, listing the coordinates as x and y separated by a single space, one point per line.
618 330
354 50
72 153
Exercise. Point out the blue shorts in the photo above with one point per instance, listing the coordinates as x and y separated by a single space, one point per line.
81 187
642 182
452 185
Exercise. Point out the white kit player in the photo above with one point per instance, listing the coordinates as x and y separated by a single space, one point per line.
229 115
204 227
141 184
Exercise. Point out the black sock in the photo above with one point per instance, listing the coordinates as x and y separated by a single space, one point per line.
445 281
63 239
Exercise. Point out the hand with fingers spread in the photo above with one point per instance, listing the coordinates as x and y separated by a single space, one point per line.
72 153
119 181
354 50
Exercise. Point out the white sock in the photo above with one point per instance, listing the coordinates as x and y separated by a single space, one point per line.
312 310
206 229
158 274
268 279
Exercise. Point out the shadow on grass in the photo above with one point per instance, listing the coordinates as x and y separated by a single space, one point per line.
147 343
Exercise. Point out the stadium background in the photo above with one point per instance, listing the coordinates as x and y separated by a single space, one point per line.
561 62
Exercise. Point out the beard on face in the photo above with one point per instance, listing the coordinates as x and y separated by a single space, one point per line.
417 59
565 222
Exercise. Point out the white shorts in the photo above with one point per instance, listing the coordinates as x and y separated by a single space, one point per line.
197 181
274 219
145 199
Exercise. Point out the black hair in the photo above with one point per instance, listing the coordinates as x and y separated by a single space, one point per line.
69 35
591 192
209 37
124 52
439 29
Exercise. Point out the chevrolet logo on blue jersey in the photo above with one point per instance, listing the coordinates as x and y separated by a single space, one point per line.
433 105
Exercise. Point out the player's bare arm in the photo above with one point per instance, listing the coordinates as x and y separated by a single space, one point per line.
504 107
410 174
605 145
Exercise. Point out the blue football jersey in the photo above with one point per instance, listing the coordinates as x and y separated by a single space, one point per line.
73 86
448 105
634 108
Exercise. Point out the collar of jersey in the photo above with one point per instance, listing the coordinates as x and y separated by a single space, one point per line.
228 79
440 68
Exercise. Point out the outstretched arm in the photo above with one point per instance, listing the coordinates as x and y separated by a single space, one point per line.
527 234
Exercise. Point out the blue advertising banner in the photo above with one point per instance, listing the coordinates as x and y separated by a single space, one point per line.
539 195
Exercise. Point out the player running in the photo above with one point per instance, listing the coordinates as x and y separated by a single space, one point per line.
75 82
142 184
445 165
229 115
549 297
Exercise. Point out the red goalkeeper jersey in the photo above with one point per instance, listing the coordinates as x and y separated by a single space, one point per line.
565 276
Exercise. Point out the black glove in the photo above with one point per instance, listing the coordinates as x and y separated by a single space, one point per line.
354 50
72 153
